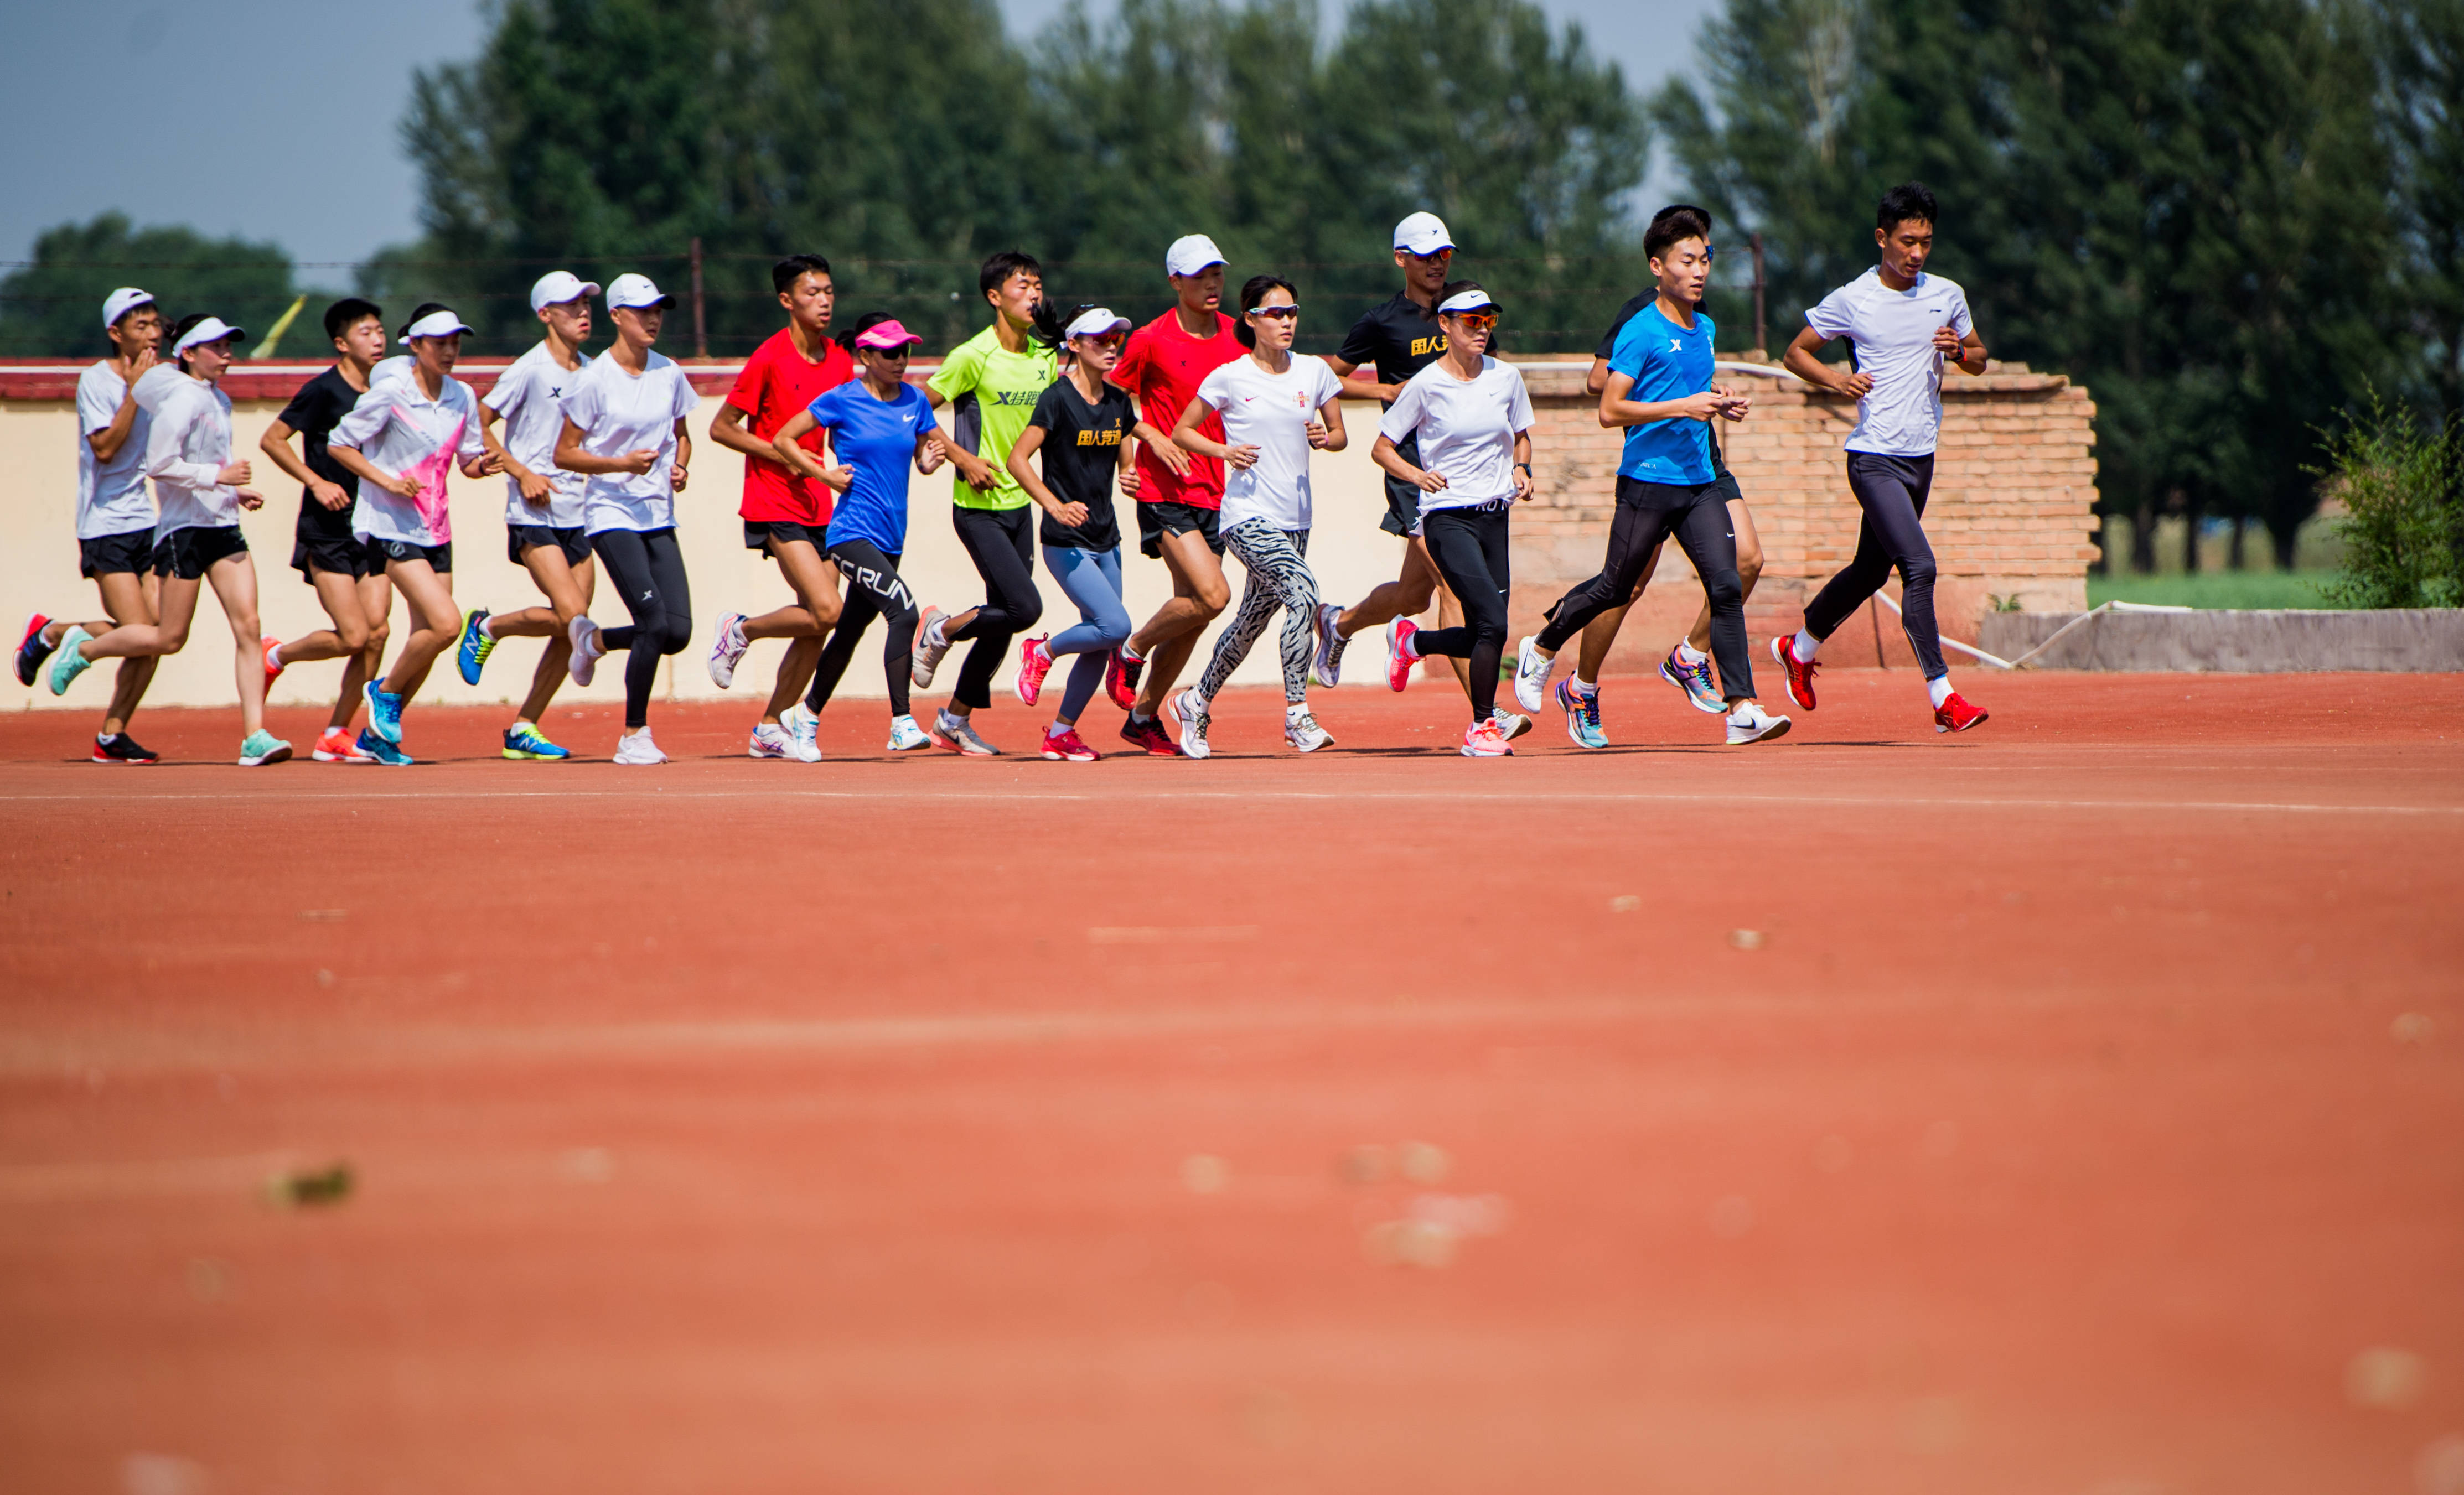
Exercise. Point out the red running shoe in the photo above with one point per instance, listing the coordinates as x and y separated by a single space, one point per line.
1121 678
1033 665
1955 715
1066 745
273 666
1800 673
1151 737
31 651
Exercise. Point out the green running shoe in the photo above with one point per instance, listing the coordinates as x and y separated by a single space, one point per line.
68 664
261 748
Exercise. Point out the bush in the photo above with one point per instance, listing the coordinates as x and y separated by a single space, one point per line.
2402 490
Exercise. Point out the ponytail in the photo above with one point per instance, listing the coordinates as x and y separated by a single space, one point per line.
1251 294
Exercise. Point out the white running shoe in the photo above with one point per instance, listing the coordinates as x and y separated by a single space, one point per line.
1305 735
1325 664
1508 723
586 649
957 735
1192 717
638 748
803 724
905 737
1532 672
1751 723
1486 739
926 656
727 651
770 740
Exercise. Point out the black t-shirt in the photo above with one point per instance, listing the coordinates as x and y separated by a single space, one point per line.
1081 457
314 412
1608 349
1396 337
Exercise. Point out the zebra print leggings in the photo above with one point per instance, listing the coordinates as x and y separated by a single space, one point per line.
1279 576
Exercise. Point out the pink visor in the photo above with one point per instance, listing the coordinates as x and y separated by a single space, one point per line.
886 335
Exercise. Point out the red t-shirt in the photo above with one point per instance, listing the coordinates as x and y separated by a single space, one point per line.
1163 367
776 383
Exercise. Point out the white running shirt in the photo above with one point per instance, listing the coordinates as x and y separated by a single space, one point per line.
618 413
111 495
527 395
399 430
1892 332
1467 429
186 450
1272 413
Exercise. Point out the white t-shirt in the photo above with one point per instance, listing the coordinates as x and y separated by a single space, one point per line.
1893 334
111 495
1270 412
618 413
399 430
526 394
186 450
1467 429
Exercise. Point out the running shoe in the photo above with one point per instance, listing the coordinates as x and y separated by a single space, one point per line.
1326 665
770 740
261 748
1034 663
1305 735
378 750
905 737
727 652
1751 723
803 726
1800 672
31 651
1531 670
1066 745
334 745
68 664
1483 739
1955 715
1582 716
475 646
385 713
1192 717
1400 655
1149 737
123 748
583 635
957 735
1512 724
638 750
1121 678
927 654
273 666
1701 691
523 739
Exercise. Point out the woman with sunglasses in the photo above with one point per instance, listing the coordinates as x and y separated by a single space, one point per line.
1278 406
1469 421
879 423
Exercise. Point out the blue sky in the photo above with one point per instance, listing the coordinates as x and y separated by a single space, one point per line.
294 138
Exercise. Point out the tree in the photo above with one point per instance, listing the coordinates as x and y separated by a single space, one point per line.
2420 49
53 307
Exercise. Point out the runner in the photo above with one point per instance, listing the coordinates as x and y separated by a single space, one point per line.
624 432
1086 430
878 424
786 515
197 538
1469 419
1179 495
991 382
1277 407
1665 483
400 440
115 517
349 581
543 506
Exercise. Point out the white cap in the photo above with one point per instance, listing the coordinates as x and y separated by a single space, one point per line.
120 302
630 290
1422 233
1191 254
557 287
435 324
1096 322
212 329
1466 301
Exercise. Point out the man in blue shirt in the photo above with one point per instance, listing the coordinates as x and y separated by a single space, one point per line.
1660 390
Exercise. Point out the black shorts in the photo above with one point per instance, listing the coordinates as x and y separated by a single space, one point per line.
1158 519
521 538
187 553
347 556
760 533
1726 482
439 558
129 550
1402 498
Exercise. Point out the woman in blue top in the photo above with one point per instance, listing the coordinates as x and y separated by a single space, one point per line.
878 424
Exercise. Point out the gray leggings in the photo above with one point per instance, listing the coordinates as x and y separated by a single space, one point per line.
1279 576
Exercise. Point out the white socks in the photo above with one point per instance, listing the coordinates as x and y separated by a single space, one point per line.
1806 646
1294 711
933 635
1939 688
1581 687
1129 653
1689 653
487 624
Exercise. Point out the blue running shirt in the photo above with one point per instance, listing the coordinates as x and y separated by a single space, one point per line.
877 438
1665 361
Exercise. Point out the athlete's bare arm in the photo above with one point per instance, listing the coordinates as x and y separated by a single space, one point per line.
1801 360
1354 389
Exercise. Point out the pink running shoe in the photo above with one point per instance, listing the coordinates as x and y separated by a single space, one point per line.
1066 745
1121 678
1400 655
1034 663
1485 739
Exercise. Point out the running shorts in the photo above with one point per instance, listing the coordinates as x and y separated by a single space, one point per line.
439 558
187 553
521 538
760 533
1156 520
348 555
129 550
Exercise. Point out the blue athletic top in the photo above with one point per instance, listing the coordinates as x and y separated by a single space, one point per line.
877 438
1665 361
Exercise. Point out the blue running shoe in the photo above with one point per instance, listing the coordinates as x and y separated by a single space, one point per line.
523 741
384 712
383 752
1702 692
475 646
1582 716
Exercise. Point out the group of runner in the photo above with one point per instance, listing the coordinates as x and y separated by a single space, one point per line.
1206 420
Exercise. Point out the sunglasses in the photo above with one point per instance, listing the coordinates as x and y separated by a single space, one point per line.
1477 321
1439 255
901 351
1279 313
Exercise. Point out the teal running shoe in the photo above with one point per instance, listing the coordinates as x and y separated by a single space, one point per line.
1582 716
1701 691
68 664
383 752
905 737
523 741
261 748
475 646
384 712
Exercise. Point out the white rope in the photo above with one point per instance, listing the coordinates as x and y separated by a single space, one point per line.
1999 663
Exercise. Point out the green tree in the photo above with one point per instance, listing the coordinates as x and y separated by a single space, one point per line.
53 307
2420 50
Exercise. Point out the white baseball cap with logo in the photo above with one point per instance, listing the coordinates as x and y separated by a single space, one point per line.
631 290
1191 254
1423 234
557 287
120 302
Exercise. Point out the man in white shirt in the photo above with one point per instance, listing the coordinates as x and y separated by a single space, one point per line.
1903 324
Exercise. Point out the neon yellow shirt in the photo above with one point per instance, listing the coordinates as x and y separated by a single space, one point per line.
991 392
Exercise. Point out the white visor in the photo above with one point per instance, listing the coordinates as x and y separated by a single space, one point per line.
213 329
435 324
1466 301
1096 322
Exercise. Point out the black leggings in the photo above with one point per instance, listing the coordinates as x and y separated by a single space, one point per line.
874 590
649 572
1001 543
1892 491
1646 514
1470 550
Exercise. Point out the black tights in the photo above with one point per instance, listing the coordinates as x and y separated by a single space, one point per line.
1469 547
875 591
1001 543
1892 491
648 570
1646 514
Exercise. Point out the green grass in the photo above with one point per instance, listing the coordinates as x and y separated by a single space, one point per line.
2248 589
